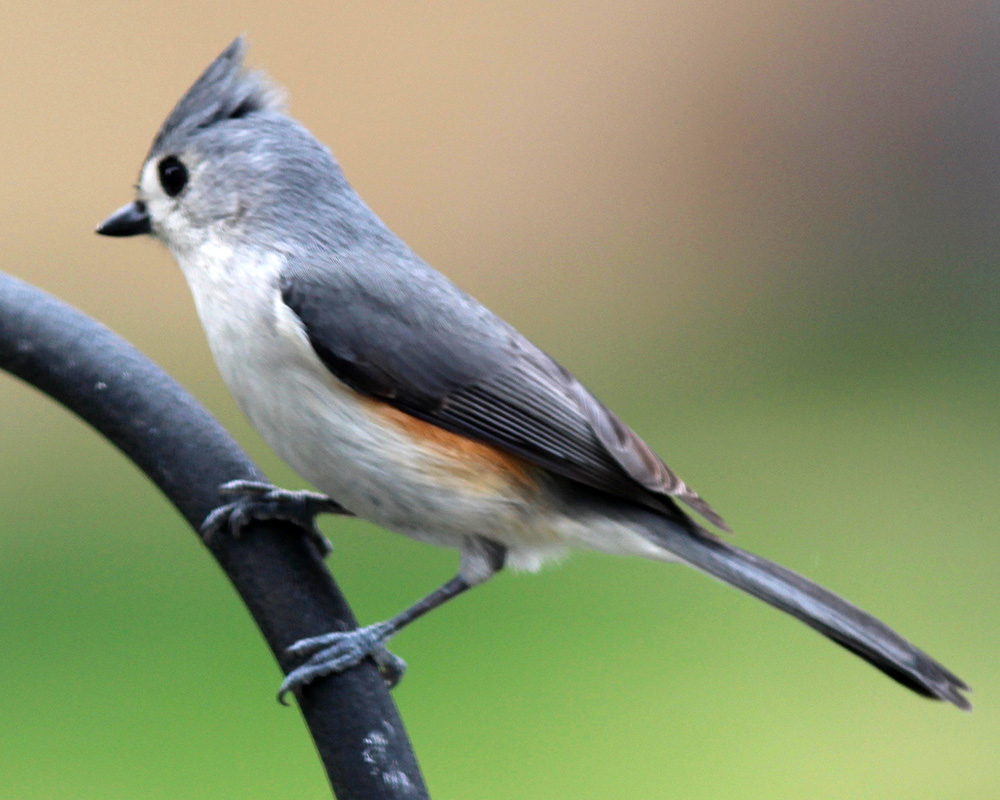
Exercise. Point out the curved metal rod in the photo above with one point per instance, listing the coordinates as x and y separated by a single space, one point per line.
187 454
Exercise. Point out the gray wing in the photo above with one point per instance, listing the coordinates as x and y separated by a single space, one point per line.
413 339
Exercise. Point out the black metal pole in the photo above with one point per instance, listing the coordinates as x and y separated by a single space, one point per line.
187 454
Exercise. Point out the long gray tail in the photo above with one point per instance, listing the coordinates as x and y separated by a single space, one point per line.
818 608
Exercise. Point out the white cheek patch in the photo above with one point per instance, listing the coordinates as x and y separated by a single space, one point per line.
167 216
158 205
149 183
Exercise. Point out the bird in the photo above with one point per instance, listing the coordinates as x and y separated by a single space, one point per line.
405 401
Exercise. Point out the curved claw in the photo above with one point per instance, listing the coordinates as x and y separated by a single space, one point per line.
219 518
243 488
390 666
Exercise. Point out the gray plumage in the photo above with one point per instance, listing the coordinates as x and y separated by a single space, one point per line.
332 334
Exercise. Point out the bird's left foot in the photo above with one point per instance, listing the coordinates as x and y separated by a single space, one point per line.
340 650
254 500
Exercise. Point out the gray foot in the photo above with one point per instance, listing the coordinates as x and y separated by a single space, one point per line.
338 651
253 500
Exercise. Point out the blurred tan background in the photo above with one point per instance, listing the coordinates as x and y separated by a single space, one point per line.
764 232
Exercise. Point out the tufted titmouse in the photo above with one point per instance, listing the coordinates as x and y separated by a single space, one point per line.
404 399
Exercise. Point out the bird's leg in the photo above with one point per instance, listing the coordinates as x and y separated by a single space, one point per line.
340 650
254 500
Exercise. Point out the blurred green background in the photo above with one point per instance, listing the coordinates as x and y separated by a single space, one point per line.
764 232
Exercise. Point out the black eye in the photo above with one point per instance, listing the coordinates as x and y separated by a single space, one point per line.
173 175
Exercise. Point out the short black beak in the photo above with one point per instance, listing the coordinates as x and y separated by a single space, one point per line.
127 221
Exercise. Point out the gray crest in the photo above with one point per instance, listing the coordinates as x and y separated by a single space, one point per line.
224 91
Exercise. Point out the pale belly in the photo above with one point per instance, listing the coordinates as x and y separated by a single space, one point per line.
384 468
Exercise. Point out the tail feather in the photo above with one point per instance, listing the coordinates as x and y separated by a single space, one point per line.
822 610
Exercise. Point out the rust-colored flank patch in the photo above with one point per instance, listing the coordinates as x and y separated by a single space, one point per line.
468 457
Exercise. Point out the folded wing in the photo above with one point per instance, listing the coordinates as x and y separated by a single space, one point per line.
411 338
